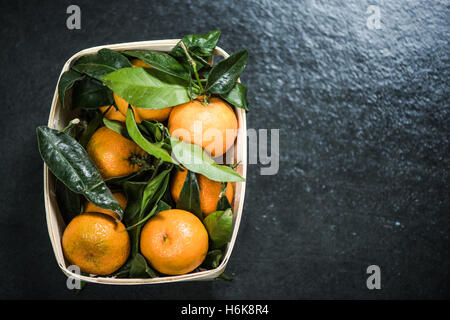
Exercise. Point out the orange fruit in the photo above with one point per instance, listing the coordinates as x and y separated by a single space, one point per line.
174 242
141 114
209 190
96 243
113 154
113 113
120 197
212 126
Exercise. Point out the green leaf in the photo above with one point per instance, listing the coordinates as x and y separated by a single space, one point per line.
140 269
66 82
156 133
142 196
213 258
156 129
124 270
120 180
133 190
138 225
101 64
167 198
154 191
148 88
223 76
161 61
195 159
90 94
70 163
220 227
160 206
198 45
69 202
93 125
132 214
223 276
116 126
155 149
189 198
237 96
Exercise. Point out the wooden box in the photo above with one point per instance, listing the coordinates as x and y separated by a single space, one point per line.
58 118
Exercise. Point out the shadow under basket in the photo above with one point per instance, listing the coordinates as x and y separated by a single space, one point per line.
59 117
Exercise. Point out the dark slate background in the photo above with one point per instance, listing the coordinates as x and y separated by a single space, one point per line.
364 143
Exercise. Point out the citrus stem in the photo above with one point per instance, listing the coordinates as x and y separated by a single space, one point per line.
201 59
205 101
71 123
193 64
141 161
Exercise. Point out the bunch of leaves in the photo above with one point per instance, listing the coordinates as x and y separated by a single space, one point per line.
174 78
195 52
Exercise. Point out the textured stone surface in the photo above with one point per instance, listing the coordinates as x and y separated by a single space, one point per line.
364 143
